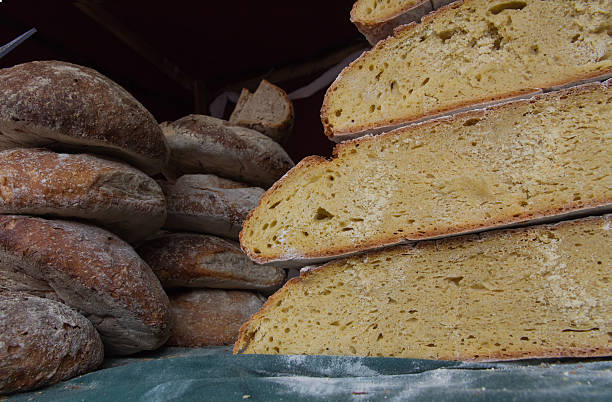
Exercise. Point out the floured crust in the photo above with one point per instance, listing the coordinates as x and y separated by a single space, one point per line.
111 194
91 270
72 108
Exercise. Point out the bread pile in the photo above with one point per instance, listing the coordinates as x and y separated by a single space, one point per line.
447 293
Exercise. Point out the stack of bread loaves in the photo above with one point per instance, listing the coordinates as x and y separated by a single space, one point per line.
213 286
71 203
508 293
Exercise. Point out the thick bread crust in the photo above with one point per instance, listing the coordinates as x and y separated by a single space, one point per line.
209 317
202 261
43 342
385 125
68 107
111 194
92 271
543 216
248 330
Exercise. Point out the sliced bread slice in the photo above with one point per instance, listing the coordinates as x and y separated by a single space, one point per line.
472 52
534 292
509 164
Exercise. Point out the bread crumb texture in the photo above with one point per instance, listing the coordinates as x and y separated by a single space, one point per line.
471 52
479 169
543 291
373 11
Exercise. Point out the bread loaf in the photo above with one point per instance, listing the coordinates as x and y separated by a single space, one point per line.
92 271
269 111
376 19
203 144
43 342
525 293
511 164
110 194
67 107
470 53
209 317
202 261
209 204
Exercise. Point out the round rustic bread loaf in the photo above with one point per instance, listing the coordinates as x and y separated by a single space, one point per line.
209 204
203 261
204 144
68 107
91 270
43 342
210 317
111 194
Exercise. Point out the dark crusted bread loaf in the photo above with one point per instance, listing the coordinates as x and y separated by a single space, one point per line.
43 342
204 144
203 261
536 292
91 270
110 194
66 107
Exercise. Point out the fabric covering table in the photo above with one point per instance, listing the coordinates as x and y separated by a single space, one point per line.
214 374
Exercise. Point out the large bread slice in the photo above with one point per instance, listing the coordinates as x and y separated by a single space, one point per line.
43 342
204 144
376 19
111 194
203 261
208 204
269 111
523 293
513 163
468 53
63 106
91 270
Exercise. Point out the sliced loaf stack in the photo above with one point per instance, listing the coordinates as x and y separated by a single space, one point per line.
538 291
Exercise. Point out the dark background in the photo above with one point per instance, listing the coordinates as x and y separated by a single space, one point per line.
176 56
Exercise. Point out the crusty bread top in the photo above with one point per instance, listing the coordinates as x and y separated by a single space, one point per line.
68 107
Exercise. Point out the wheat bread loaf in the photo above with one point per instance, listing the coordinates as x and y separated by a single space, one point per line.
208 204
268 110
466 55
376 19
204 144
204 261
210 317
510 164
110 194
66 107
43 342
92 271
535 292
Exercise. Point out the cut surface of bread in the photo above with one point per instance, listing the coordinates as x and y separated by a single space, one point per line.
541 291
468 53
509 164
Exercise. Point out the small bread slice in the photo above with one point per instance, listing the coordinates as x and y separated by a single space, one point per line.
469 53
477 170
533 292
376 19
269 111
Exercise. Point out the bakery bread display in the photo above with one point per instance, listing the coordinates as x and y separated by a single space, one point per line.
208 204
465 55
204 261
210 317
533 292
110 194
204 144
512 163
268 110
376 19
43 342
67 107
92 271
